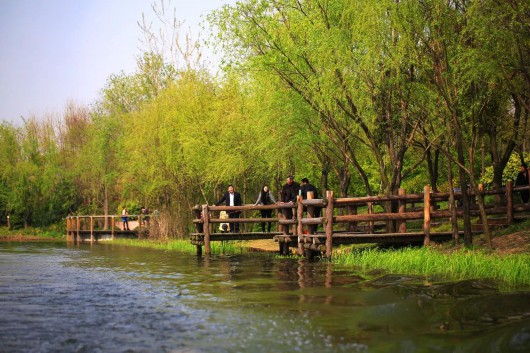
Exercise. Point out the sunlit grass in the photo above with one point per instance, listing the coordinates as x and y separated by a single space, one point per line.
513 270
184 245
49 232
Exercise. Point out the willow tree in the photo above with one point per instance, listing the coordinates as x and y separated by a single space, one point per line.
462 86
501 32
345 59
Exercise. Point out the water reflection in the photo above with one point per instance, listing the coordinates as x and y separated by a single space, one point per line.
116 299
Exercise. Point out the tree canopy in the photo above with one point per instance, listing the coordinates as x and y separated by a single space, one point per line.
359 96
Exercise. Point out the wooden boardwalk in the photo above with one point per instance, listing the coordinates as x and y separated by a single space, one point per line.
93 228
415 218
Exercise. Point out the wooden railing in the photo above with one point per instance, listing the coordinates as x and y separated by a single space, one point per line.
353 219
93 225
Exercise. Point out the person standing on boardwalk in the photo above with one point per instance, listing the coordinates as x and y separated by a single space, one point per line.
522 180
145 216
265 198
307 187
289 193
124 218
231 198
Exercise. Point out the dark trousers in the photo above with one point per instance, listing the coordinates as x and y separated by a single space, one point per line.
234 227
525 195
266 214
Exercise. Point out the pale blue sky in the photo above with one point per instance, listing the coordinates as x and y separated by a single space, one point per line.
55 51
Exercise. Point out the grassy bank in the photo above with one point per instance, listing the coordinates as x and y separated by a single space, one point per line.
30 233
218 248
512 270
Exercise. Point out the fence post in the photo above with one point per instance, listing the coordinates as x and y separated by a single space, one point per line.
92 229
199 227
67 228
300 231
402 224
78 228
112 225
206 228
427 215
311 229
370 207
509 201
329 223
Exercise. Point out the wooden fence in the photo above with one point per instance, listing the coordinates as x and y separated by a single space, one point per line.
96 227
413 218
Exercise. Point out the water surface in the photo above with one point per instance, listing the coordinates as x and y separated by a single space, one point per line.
108 298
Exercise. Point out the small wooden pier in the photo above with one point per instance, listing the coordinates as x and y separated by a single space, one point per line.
92 228
415 218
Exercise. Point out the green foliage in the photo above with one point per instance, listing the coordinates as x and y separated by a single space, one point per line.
354 94
217 248
513 167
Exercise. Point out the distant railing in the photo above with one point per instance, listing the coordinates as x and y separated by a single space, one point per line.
109 224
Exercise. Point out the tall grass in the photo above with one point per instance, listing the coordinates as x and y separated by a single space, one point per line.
513 270
184 245
52 232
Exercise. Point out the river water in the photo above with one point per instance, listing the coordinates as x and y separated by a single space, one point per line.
56 297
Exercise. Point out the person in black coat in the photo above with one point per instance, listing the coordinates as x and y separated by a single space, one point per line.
307 187
522 180
265 198
289 193
231 198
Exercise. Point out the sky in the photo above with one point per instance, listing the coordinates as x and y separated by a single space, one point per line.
53 52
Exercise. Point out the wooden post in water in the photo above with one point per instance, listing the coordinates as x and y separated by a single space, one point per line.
300 227
78 221
402 225
509 201
329 223
112 225
67 228
427 215
92 229
198 228
311 229
206 228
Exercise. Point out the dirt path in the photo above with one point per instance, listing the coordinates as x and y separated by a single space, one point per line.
267 245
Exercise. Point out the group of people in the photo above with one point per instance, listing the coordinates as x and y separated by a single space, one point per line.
125 217
289 193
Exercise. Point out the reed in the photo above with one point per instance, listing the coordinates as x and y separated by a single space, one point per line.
512 270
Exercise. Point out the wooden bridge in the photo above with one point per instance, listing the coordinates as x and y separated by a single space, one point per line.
416 218
97 227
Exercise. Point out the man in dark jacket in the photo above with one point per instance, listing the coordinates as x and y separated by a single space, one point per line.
307 187
231 198
289 193
522 180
